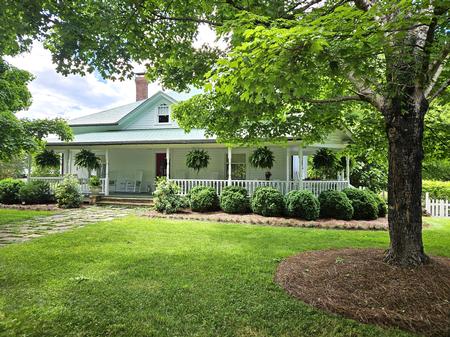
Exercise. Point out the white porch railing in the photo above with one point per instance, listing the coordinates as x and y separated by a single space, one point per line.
315 186
437 207
84 186
52 181
186 185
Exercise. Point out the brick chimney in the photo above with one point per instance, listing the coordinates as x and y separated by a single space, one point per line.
141 87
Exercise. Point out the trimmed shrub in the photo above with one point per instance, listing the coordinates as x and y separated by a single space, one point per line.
9 190
437 189
381 204
234 199
68 193
36 192
302 204
365 207
204 199
335 204
238 189
268 201
167 198
195 190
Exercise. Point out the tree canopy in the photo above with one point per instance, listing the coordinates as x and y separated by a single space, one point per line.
298 68
22 135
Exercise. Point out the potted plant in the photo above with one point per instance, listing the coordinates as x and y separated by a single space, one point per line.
94 187
263 158
197 159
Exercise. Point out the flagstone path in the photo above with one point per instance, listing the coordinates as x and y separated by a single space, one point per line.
61 221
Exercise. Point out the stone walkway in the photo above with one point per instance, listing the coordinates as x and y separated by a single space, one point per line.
63 220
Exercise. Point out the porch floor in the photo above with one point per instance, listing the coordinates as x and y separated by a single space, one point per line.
129 195
127 199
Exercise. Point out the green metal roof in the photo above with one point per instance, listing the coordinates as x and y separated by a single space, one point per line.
151 136
115 115
111 116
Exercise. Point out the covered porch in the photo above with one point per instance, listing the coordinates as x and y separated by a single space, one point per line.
133 170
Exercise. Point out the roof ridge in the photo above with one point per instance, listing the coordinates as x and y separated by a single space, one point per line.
129 108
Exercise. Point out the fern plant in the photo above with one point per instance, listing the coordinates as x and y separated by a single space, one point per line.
197 159
263 158
47 159
87 159
327 164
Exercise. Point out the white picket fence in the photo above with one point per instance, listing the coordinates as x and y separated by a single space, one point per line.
437 207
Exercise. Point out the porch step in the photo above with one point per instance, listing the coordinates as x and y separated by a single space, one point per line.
125 201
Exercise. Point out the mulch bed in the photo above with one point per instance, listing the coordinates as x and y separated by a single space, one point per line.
380 224
39 207
357 284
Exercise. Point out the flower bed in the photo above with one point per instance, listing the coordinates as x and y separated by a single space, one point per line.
378 224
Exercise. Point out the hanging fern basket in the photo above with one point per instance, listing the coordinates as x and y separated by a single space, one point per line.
47 159
197 159
87 159
263 158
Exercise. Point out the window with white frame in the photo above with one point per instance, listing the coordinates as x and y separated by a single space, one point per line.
163 114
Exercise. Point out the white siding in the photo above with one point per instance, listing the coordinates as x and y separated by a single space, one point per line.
217 165
215 169
148 118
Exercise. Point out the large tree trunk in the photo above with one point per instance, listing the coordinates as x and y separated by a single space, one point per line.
405 133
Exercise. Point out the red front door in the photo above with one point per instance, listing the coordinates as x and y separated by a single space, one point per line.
161 165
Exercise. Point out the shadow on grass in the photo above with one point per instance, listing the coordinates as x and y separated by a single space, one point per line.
140 277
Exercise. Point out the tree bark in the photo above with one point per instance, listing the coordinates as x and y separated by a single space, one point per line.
404 127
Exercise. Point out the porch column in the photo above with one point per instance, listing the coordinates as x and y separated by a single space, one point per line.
107 172
168 163
305 167
29 168
300 164
69 162
347 168
65 162
229 166
288 168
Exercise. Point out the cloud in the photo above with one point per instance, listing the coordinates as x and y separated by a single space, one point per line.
55 95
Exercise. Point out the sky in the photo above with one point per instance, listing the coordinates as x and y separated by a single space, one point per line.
55 95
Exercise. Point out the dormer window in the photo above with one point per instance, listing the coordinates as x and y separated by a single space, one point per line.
163 113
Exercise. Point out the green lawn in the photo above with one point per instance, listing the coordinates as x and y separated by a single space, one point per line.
143 277
8 216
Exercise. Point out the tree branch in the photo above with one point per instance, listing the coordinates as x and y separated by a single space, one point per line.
441 89
365 93
440 59
426 48
333 100
303 8
185 19
435 70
